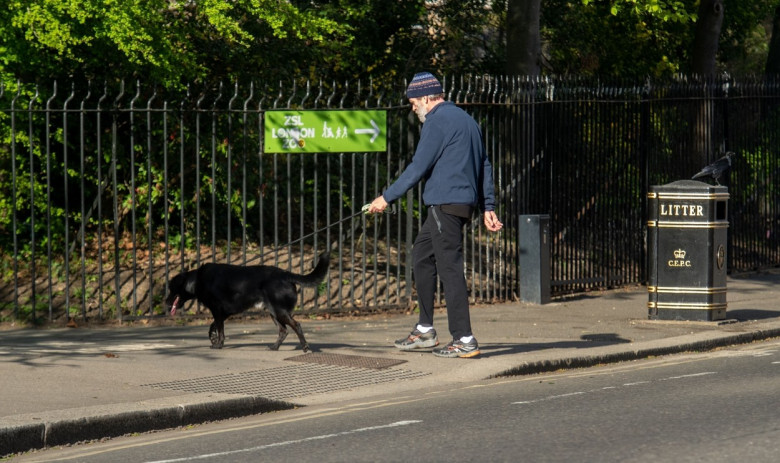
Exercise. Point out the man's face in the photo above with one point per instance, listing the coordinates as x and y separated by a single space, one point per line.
420 107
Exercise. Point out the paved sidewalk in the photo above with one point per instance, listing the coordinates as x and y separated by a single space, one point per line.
61 386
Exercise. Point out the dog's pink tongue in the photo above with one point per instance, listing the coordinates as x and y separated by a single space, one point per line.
174 305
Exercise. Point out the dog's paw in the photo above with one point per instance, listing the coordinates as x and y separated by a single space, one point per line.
273 347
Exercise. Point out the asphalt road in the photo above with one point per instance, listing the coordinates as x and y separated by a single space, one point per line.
719 406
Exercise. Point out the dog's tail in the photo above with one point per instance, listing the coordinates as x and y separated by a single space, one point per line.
316 276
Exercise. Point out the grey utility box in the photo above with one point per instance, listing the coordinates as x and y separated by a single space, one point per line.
687 240
534 239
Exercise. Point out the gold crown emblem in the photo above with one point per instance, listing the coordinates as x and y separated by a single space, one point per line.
679 254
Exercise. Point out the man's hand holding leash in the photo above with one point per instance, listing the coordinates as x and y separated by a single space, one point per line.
377 206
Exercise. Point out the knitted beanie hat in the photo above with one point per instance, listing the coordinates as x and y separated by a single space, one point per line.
423 84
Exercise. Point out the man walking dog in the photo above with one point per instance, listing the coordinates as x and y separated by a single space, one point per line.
450 157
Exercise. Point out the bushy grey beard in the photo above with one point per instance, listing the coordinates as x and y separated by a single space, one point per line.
421 113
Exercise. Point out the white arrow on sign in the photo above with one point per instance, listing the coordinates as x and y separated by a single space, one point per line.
375 131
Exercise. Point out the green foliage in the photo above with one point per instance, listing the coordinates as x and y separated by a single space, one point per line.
745 34
619 38
664 10
168 41
173 42
648 37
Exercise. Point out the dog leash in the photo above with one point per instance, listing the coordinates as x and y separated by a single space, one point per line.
363 211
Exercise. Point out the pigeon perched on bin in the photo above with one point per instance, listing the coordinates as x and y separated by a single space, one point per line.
717 168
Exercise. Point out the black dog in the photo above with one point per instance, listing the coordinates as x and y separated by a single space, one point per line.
230 289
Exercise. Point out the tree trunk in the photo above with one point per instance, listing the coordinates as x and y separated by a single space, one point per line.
705 43
773 59
703 53
523 48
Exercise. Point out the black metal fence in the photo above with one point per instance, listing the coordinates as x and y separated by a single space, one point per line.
107 191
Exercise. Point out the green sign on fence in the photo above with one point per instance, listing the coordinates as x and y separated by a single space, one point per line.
325 131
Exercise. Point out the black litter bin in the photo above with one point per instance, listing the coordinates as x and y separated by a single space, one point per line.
687 239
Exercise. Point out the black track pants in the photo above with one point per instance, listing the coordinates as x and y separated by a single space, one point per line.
438 250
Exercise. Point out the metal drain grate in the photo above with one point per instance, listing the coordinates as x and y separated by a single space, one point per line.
357 361
282 383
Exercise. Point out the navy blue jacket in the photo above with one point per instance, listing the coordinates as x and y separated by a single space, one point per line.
451 158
